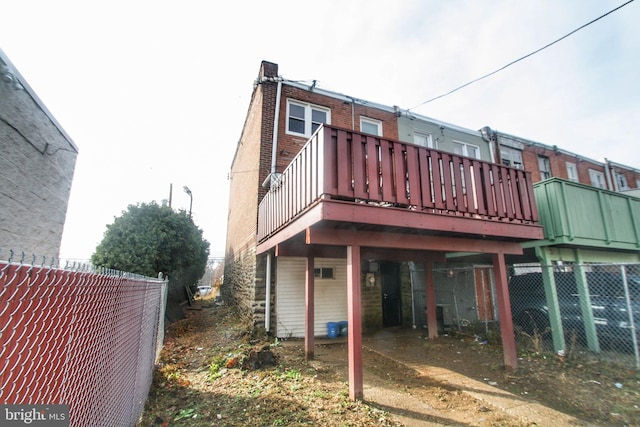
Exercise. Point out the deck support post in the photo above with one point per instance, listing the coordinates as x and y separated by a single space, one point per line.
430 303
585 303
551 295
355 323
309 292
504 307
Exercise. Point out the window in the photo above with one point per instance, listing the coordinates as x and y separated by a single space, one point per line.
304 119
597 179
637 183
323 273
511 157
545 167
572 172
423 139
621 181
371 126
464 149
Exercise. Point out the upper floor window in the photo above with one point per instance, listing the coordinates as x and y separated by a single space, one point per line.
511 157
572 172
371 126
597 179
423 139
304 119
545 167
464 149
621 181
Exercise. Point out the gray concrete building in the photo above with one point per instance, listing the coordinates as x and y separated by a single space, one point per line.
37 162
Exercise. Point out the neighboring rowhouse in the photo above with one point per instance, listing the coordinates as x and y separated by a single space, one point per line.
331 195
591 225
37 162
545 161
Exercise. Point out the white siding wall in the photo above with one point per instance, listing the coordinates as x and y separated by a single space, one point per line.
330 296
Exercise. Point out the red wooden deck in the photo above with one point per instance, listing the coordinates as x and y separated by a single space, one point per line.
347 194
383 185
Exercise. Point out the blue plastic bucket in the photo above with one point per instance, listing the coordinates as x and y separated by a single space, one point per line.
343 328
332 329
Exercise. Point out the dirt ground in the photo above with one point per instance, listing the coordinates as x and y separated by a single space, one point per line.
214 371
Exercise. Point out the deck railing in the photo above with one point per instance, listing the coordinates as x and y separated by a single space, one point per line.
345 165
578 214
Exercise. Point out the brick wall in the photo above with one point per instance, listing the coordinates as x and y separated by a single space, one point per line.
632 176
244 282
558 161
37 162
244 271
342 115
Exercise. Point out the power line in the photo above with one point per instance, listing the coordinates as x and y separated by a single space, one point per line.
521 58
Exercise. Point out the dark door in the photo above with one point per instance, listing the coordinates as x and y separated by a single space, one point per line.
391 294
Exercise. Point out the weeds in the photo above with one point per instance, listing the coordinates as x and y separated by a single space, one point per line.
292 374
216 368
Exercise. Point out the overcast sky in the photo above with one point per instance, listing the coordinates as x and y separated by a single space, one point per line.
155 93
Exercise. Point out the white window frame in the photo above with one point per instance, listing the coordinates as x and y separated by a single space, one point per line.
508 156
621 180
545 173
465 151
374 122
572 172
324 273
427 136
308 114
597 179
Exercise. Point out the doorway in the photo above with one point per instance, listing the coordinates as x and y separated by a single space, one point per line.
391 294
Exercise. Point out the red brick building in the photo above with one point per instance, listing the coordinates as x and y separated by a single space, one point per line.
328 202
545 161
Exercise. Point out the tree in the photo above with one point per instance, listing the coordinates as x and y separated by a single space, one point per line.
148 239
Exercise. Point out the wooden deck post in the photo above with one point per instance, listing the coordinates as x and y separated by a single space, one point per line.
504 308
309 287
355 322
430 295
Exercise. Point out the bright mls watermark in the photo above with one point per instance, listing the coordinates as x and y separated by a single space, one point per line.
34 415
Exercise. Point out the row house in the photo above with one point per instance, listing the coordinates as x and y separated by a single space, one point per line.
590 215
545 161
330 196
342 208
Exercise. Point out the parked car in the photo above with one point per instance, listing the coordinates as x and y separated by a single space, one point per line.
204 290
608 302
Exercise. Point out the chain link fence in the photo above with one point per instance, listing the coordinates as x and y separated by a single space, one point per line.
589 310
85 338
571 307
